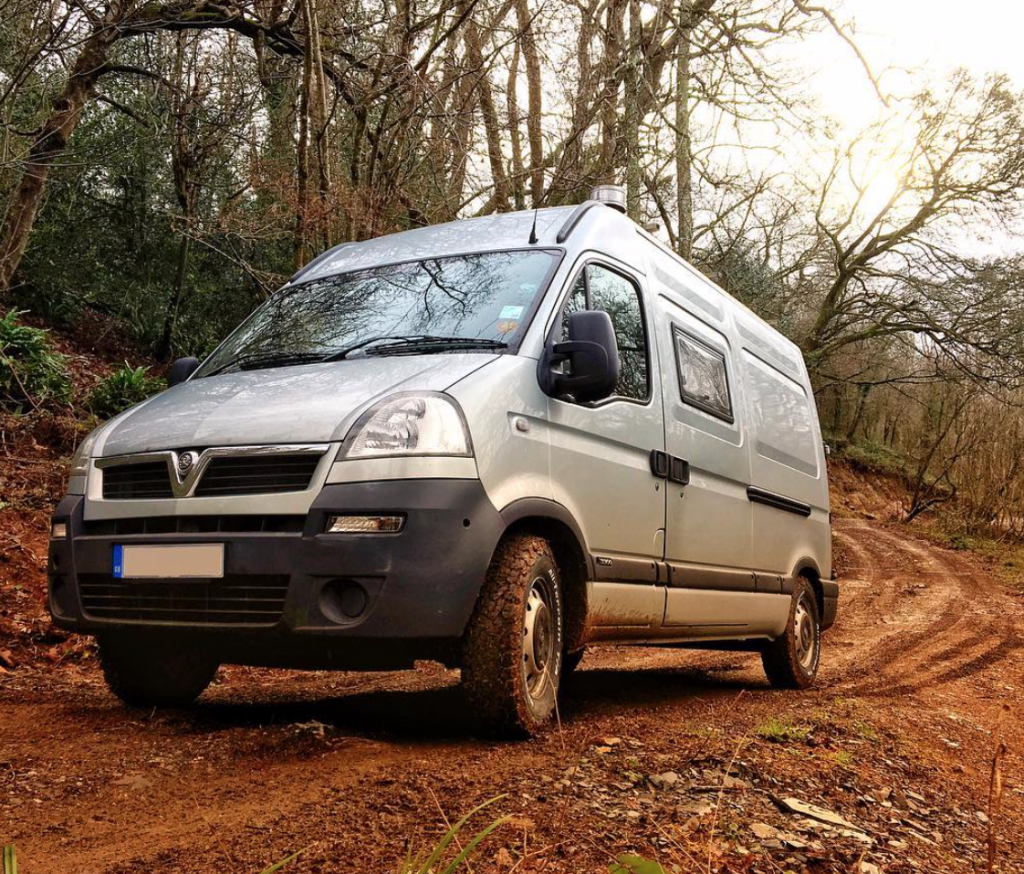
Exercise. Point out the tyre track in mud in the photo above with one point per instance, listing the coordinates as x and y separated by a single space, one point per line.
929 605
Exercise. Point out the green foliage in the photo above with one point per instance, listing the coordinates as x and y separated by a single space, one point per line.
432 864
627 864
32 374
10 860
123 389
780 731
871 456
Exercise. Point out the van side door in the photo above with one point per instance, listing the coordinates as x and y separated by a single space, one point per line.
600 452
708 515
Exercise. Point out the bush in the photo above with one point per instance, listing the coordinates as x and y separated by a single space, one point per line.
32 374
123 389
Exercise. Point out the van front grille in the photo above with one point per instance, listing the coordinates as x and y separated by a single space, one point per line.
195 525
257 475
224 475
235 600
148 480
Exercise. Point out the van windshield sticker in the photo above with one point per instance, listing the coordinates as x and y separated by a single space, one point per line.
511 312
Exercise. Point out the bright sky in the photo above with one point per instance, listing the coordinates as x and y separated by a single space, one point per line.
935 35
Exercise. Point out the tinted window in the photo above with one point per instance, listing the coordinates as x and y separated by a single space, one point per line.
599 288
703 378
474 297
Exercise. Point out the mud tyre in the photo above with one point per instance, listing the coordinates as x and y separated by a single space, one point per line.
512 652
152 672
791 661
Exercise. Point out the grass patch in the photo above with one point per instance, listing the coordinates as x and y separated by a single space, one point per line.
434 862
782 731
842 758
866 731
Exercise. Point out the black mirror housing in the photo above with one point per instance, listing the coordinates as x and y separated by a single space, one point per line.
181 370
593 358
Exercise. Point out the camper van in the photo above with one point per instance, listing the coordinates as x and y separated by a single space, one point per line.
491 443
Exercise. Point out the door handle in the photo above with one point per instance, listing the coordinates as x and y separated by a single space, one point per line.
659 463
665 466
679 471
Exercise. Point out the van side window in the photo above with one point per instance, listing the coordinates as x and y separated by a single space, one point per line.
703 377
599 288
577 302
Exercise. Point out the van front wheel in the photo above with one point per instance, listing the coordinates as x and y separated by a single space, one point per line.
154 672
512 656
791 661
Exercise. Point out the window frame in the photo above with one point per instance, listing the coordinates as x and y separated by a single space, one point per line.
556 327
688 398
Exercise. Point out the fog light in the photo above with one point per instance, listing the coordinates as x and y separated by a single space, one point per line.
59 530
364 524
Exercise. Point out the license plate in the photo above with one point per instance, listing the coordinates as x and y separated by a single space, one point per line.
179 561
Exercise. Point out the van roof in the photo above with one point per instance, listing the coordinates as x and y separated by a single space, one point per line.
509 230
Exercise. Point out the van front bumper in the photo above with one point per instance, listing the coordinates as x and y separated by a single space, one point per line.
295 598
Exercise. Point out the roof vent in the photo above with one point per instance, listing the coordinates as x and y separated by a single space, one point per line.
610 195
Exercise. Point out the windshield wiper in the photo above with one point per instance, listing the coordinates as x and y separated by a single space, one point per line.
260 360
417 343
420 345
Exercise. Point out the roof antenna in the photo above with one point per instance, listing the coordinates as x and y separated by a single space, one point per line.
533 230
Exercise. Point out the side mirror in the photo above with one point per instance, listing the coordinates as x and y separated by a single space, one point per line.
181 370
592 356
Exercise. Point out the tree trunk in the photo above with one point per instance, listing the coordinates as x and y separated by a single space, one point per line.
301 242
535 106
489 112
613 51
631 133
684 154
163 349
52 141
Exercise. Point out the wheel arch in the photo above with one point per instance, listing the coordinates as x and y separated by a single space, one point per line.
807 568
553 522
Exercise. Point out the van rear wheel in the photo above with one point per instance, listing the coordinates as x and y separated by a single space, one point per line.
512 655
152 671
791 661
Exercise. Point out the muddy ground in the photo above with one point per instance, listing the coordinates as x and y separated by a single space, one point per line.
680 756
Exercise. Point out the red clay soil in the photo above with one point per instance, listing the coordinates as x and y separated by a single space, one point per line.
685 757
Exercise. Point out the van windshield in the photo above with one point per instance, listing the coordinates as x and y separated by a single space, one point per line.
465 302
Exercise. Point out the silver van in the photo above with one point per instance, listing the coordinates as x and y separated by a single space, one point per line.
490 443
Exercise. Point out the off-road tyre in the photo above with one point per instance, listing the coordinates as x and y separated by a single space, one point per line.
148 671
495 666
791 661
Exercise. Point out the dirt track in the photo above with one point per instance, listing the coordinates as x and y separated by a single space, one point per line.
927 655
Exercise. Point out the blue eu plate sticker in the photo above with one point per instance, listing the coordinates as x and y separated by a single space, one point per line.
118 562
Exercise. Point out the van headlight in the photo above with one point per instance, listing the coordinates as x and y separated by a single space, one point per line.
80 460
421 423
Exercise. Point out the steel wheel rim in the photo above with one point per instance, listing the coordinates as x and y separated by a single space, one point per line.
805 634
539 639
